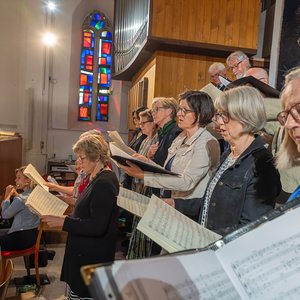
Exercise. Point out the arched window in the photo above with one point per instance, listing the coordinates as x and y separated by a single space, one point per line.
95 68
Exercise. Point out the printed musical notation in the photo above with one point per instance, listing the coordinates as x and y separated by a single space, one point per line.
269 266
133 202
173 230
42 202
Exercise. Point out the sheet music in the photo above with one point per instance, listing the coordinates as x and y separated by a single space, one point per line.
44 203
265 263
53 180
133 202
224 80
172 230
114 135
212 91
116 151
34 175
195 276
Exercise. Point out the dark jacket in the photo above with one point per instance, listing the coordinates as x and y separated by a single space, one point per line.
245 191
92 230
135 143
165 140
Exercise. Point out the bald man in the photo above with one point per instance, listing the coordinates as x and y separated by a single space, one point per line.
258 73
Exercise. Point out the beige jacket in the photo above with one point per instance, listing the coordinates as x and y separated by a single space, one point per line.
193 161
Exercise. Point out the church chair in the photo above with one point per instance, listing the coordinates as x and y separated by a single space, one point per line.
33 250
6 279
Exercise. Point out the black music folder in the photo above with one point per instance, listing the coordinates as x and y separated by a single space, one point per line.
261 260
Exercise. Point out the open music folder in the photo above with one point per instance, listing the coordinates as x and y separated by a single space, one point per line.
120 157
261 260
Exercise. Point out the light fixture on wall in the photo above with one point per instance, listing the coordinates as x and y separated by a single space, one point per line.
49 39
51 5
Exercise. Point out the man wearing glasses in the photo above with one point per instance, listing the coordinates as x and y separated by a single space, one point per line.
238 63
214 71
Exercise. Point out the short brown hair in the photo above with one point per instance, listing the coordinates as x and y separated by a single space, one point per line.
201 104
93 148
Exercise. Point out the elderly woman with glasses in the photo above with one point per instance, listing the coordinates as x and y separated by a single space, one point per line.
148 128
288 155
192 154
92 228
246 183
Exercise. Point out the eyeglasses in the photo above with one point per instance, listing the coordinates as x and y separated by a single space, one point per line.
155 110
143 123
224 116
134 118
294 112
183 111
235 66
214 75
81 158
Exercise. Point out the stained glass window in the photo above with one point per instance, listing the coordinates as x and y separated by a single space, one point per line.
95 72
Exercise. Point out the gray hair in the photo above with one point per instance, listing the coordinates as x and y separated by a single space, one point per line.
167 103
246 105
238 55
288 155
216 66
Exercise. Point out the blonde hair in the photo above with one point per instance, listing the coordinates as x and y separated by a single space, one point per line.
31 185
93 148
288 155
92 132
246 105
167 103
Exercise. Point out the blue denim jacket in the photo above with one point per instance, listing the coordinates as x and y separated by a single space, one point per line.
24 219
245 191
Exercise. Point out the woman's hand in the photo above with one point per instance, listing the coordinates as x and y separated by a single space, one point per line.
52 187
133 170
67 199
9 191
140 157
169 201
53 221
152 150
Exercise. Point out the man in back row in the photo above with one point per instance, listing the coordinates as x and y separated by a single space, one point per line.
214 71
238 62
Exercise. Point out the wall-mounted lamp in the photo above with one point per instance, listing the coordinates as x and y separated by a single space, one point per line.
51 5
49 39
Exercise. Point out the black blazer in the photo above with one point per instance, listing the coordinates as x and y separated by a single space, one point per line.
92 230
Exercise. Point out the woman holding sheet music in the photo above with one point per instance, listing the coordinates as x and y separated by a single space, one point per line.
246 184
149 129
92 228
192 154
23 232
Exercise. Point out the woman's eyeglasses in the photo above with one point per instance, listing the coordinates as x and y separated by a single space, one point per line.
155 110
183 111
294 112
143 123
81 158
224 116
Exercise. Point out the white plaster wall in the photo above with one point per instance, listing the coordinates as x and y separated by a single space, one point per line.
24 62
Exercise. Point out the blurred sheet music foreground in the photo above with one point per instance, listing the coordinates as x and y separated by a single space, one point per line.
263 263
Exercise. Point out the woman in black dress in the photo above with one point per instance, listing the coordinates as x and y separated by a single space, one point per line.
92 228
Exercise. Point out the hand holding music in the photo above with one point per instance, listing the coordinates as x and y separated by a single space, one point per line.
132 170
53 221
169 201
